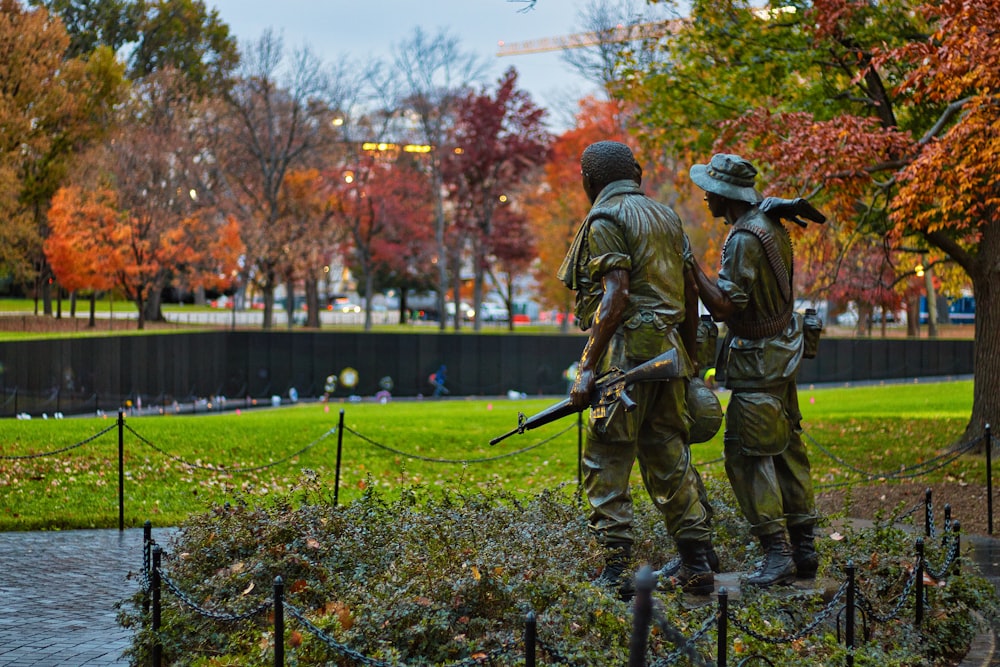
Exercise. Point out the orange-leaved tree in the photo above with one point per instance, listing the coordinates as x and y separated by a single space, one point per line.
78 221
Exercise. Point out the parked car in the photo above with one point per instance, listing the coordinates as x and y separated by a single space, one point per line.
493 312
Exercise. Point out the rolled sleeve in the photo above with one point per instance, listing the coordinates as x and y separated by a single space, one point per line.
608 250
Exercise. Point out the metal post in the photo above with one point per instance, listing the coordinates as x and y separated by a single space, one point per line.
722 641
530 639
947 524
920 583
956 531
989 477
340 448
147 544
121 470
579 450
849 631
279 622
928 513
642 617
157 646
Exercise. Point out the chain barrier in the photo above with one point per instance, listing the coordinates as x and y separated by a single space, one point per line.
805 630
231 470
917 470
209 613
459 461
950 558
864 603
60 451
685 646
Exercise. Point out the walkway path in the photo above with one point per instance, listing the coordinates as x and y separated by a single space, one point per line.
58 592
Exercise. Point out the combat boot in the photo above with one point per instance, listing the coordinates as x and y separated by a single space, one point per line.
804 551
778 567
615 576
695 574
673 566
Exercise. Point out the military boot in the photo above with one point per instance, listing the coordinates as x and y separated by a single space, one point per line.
672 567
616 576
804 551
695 574
778 567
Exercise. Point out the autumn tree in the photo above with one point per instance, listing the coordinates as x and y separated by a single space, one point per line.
51 107
435 73
152 35
78 241
279 116
893 130
557 204
500 139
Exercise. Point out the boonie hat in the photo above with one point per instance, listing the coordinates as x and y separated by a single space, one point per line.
729 176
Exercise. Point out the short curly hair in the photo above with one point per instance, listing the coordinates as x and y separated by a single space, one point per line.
609 161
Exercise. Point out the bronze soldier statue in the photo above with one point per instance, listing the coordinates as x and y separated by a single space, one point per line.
626 265
766 461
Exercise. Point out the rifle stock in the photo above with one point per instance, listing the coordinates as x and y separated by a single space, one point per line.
609 392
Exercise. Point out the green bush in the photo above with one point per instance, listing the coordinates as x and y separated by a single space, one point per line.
431 578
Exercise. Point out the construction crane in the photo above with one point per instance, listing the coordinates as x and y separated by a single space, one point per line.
620 33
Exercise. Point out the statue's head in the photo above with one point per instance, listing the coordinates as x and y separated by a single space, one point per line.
605 162
728 176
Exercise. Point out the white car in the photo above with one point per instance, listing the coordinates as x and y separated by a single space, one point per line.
493 312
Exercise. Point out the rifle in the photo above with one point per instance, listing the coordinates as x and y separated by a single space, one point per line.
610 391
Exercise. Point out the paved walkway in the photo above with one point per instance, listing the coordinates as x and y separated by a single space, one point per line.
58 592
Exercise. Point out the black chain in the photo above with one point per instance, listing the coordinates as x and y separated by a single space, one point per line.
217 615
232 470
60 451
787 639
865 603
949 560
917 470
685 647
462 461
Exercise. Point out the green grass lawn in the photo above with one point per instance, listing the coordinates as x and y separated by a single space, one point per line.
440 444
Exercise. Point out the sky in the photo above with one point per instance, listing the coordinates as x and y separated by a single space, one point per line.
360 28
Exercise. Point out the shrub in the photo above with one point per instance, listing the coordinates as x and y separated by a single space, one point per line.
432 578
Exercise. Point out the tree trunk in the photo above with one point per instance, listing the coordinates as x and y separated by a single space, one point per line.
153 308
72 304
290 301
92 322
913 316
985 273
312 302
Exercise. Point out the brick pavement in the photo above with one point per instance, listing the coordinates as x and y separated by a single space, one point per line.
58 592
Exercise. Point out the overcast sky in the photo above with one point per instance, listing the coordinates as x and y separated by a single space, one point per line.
371 27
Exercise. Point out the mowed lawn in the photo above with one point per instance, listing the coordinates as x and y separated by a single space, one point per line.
55 474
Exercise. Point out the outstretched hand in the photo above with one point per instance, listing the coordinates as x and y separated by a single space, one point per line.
792 209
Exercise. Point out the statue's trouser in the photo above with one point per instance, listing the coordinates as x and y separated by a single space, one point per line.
774 490
654 433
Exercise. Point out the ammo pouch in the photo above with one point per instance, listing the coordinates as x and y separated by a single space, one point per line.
812 327
756 420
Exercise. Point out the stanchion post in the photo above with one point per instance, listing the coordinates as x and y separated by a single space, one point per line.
157 651
121 470
956 531
919 588
642 617
279 622
147 543
928 512
849 630
340 448
947 524
989 477
722 641
530 638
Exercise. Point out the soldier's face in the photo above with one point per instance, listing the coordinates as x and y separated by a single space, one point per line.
716 204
